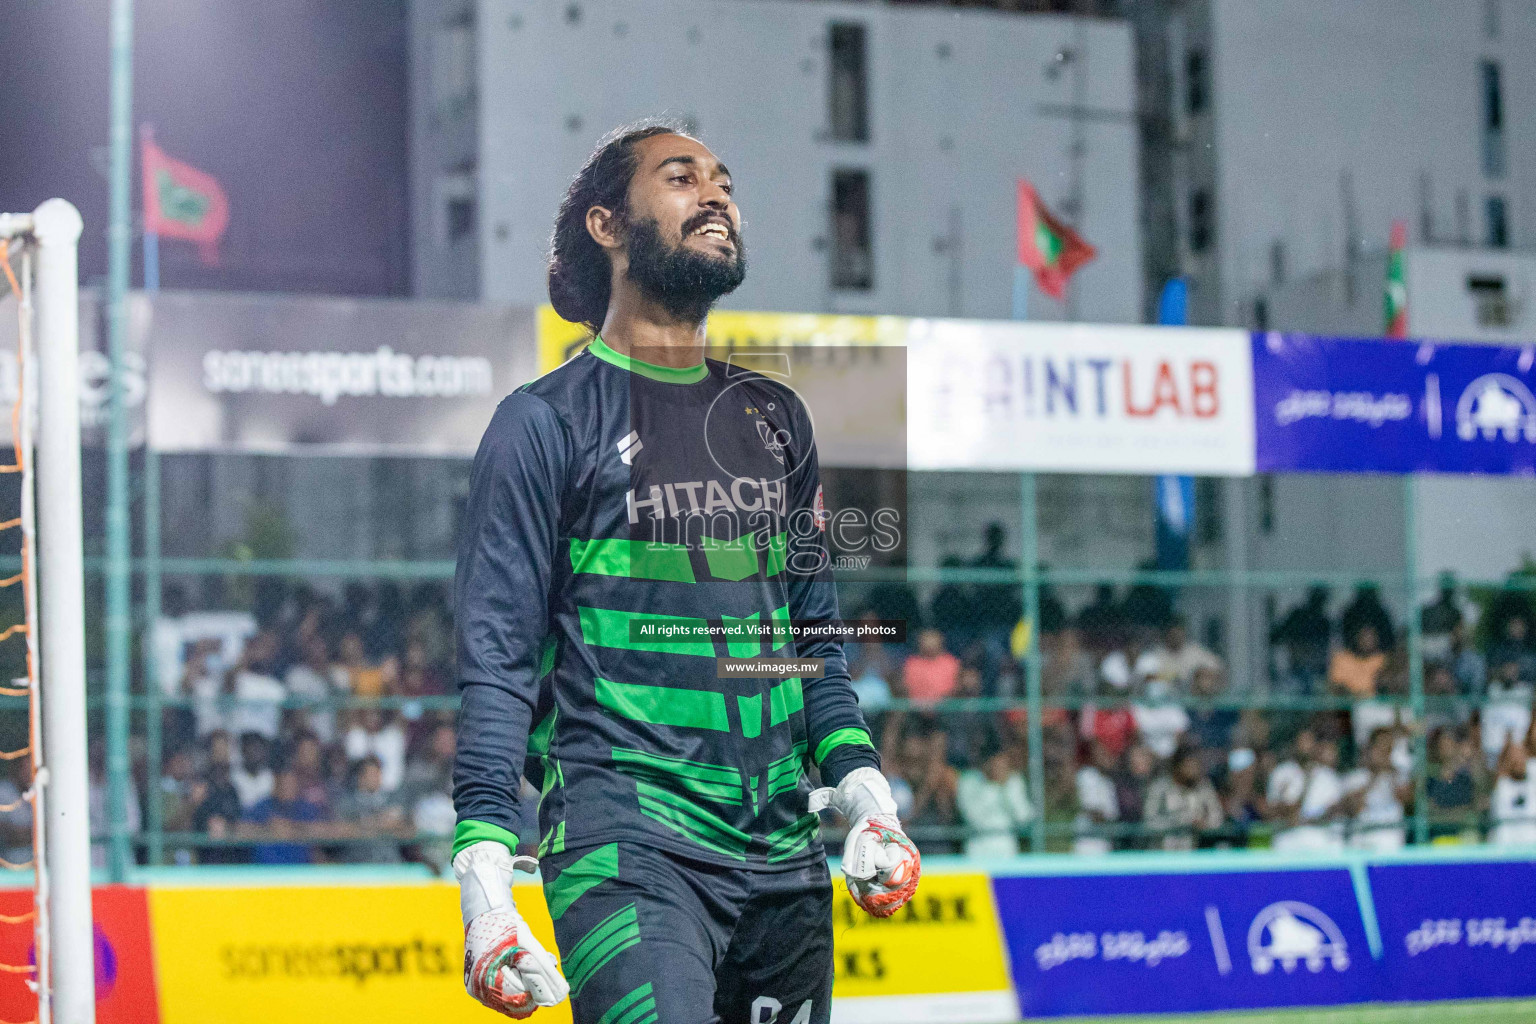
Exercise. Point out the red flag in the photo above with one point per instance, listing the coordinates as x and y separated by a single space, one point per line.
183 202
1047 246
1397 283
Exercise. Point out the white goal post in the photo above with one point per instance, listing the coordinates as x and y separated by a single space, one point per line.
48 241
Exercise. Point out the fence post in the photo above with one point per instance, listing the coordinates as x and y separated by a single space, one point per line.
1034 660
1415 659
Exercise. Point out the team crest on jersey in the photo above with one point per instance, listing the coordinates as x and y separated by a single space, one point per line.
773 440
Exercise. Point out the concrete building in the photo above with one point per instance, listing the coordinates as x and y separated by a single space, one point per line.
875 148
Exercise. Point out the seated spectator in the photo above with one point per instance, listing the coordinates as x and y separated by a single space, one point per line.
1181 803
1438 623
1068 671
932 673
204 685
1513 809
418 676
1469 667
1115 727
306 761
1176 659
218 814
1303 796
1160 721
257 698
932 783
1354 670
1451 787
380 734
252 777
1506 714
1097 804
1211 728
368 811
1367 610
1302 638
1132 783
365 676
1374 796
280 823
1243 798
315 678
994 803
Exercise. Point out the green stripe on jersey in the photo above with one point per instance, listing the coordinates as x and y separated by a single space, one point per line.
853 736
778 545
632 559
711 781
693 822
632 1008
750 643
608 627
751 709
793 838
784 774
575 881
780 636
732 560
784 700
607 939
664 705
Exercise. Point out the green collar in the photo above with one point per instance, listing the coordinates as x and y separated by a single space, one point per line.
665 374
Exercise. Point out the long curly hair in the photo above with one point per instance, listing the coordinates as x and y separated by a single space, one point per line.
579 272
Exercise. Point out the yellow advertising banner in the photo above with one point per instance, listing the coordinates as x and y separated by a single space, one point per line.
730 330
952 920
382 954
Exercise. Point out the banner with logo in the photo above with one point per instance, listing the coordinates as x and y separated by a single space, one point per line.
1340 405
1000 395
1183 943
262 373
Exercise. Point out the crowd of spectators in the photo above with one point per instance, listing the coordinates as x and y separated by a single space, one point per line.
1146 739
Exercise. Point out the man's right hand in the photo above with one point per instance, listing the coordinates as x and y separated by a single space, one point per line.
505 967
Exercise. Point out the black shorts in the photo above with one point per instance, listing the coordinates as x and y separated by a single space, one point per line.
648 937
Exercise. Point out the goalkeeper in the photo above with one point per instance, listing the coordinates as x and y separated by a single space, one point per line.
639 483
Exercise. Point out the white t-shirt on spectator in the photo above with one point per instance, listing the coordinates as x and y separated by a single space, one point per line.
207 714
1317 789
1177 667
1507 711
388 745
994 811
1160 726
1095 793
260 709
251 787
1513 809
308 684
1379 823
170 638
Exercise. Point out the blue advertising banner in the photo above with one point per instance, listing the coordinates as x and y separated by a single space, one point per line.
1457 931
1159 943
1340 405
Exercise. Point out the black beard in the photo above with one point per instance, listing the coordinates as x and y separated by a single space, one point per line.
684 282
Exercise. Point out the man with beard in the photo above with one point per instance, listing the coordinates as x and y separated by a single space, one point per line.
635 516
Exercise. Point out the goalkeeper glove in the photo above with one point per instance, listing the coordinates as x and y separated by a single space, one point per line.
504 966
879 861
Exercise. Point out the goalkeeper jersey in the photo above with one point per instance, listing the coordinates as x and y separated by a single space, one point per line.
628 525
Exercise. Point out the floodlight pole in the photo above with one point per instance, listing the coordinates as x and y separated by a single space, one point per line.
64 772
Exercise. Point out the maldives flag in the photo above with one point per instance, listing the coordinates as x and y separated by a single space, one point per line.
1397 283
1047 246
183 202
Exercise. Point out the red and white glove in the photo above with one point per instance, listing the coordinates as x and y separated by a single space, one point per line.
505 968
879 861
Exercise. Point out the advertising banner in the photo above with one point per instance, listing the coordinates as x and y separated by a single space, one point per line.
261 373
985 395
1348 406
125 970
1457 931
1165 943
322 953
884 969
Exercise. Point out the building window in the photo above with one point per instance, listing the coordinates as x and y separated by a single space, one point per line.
1200 220
853 263
1196 81
849 79
456 196
1498 223
1490 300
